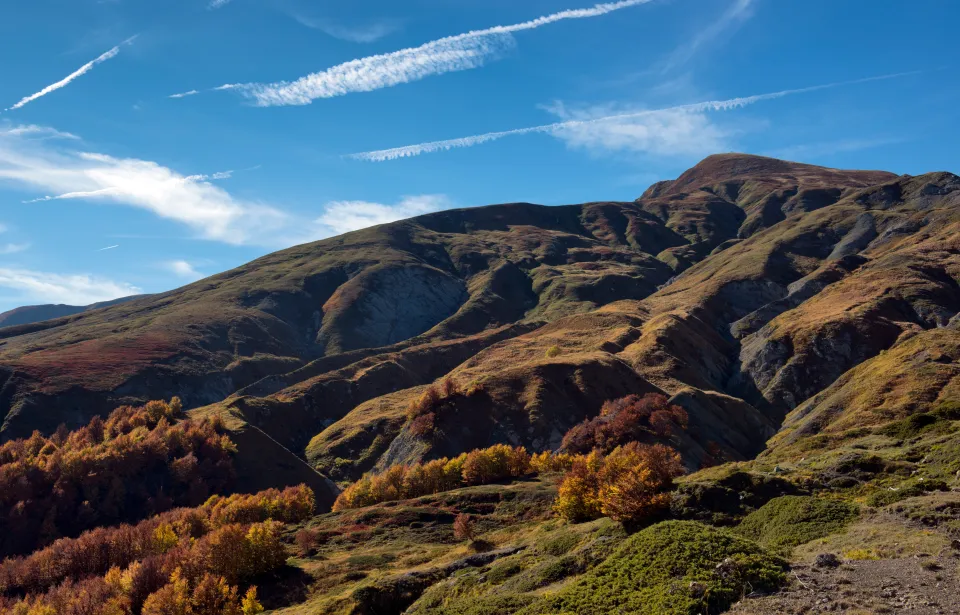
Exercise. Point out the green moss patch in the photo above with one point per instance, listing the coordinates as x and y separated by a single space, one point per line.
789 521
675 567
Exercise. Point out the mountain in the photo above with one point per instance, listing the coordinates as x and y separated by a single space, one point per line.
805 320
745 289
35 313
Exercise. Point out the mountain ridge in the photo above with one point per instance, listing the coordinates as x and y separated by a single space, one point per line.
742 290
28 314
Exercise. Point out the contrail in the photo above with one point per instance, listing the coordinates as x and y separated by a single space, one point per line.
407 151
449 54
77 73
108 248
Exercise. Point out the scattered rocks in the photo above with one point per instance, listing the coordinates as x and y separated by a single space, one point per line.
827 560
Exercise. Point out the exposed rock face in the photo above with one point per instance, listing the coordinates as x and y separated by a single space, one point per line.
386 305
746 289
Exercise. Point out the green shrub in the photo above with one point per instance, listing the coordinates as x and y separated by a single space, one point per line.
547 573
371 561
788 521
560 544
674 567
907 490
909 427
501 571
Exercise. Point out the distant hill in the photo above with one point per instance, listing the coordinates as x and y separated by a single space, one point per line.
35 313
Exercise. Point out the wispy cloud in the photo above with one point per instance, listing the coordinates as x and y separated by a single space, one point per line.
367 33
453 53
565 127
109 248
738 12
666 133
184 94
89 194
215 4
813 151
13 248
183 269
345 216
44 132
74 289
75 74
191 200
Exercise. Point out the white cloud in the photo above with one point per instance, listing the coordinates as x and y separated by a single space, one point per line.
453 53
376 72
73 289
13 248
215 4
732 18
192 200
345 216
666 133
38 131
77 73
355 34
184 94
571 126
183 269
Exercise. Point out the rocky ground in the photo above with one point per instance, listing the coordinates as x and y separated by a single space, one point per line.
921 585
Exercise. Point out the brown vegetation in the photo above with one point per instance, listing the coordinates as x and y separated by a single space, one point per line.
628 419
478 467
135 464
628 485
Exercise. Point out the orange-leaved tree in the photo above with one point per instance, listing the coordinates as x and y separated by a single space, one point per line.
629 485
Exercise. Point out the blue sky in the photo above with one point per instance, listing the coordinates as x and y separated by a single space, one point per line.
303 119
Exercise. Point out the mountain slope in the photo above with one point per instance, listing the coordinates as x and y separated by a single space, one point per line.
745 289
35 313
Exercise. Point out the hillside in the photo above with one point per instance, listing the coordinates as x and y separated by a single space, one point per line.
792 331
743 289
35 313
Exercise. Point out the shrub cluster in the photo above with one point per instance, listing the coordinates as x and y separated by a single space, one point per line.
628 419
186 561
478 467
96 551
423 412
548 463
629 485
675 567
135 464
792 520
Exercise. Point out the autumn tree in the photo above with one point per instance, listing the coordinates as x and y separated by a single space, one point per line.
463 527
627 419
629 485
